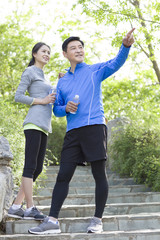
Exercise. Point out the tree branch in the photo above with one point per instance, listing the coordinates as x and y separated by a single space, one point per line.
147 54
151 55
124 14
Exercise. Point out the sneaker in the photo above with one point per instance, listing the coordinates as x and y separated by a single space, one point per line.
46 227
34 214
95 226
16 213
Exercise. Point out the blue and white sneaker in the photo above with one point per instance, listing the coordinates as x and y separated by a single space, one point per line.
46 227
16 213
95 226
34 214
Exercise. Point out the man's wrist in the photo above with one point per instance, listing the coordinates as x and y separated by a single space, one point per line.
66 109
126 46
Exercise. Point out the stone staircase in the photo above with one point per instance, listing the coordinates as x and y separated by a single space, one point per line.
132 212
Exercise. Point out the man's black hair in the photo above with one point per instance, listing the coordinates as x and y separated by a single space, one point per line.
70 39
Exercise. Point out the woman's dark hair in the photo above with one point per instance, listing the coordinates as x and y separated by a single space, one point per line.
70 39
35 49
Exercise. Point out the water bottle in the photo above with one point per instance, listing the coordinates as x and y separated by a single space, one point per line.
52 90
75 100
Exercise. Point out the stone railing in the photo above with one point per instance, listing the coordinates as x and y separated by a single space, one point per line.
6 179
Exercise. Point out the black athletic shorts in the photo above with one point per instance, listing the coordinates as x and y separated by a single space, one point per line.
88 143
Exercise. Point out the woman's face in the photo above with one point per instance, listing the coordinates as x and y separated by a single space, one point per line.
42 56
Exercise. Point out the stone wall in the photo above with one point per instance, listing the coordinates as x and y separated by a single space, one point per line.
6 179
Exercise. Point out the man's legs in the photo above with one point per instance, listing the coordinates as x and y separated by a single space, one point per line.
101 191
60 191
101 194
61 188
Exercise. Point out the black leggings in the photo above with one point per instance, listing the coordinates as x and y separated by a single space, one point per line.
35 149
61 188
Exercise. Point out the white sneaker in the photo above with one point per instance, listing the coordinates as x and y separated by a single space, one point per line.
95 226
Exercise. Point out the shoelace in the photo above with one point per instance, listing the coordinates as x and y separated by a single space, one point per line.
36 210
95 221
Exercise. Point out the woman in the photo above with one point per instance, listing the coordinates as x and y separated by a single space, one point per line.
37 124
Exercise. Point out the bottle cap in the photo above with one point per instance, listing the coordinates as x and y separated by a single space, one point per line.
76 96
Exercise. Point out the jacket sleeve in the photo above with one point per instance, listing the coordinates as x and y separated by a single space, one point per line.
59 108
106 69
23 86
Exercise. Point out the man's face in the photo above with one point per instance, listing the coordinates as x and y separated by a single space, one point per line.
75 52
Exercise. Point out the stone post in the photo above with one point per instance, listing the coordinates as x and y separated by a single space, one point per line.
6 179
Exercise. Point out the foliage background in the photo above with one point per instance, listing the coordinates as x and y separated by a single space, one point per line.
132 92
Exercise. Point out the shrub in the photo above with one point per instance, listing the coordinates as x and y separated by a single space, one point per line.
11 119
147 171
55 140
136 153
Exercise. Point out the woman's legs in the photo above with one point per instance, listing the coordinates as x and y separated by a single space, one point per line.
41 156
25 191
35 149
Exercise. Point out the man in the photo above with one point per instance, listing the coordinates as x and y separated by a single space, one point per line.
86 136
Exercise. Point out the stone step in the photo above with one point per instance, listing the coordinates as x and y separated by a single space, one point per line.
81 199
53 174
78 225
44 191
52 171
88 181
147 234
82 174
131 213
79 170
110 209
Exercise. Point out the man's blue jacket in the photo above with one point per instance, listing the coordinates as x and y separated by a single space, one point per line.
86 82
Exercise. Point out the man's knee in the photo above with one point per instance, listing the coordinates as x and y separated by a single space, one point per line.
64 176
98 170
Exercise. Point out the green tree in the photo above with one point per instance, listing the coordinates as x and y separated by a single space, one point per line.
120 15
133 99
14 54
15 44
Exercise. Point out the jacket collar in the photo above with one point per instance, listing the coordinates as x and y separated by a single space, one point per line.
79 65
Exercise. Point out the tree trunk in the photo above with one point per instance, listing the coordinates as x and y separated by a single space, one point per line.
151 54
